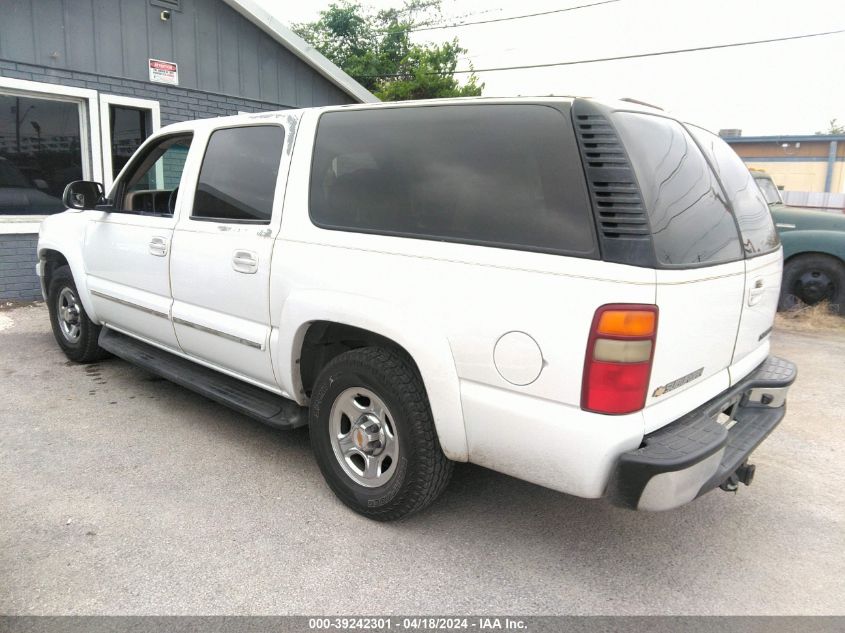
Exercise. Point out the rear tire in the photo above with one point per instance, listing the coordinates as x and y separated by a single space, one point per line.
373 435
813 278
75 333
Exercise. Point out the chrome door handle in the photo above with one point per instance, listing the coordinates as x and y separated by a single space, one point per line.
245 262
158 246
756 292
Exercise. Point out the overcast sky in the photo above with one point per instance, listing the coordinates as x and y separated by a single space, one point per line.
781 88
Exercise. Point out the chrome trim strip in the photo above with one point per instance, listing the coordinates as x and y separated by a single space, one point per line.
209 330
103 295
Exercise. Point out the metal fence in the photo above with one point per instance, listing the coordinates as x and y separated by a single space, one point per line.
815 200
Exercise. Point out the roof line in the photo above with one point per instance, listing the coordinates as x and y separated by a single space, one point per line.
784 137
264 20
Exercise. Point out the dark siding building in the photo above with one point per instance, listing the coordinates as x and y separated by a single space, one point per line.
84 82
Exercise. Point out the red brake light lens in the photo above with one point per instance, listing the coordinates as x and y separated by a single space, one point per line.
620 350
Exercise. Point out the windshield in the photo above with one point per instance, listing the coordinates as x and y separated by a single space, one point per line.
770 192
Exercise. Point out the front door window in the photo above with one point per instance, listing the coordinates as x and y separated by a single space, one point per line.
151 185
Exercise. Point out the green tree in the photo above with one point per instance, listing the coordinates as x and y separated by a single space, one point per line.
377 51
834 128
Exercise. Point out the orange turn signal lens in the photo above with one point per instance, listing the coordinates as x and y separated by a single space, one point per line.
627 323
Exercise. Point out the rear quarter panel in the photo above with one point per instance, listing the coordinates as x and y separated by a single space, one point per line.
465 296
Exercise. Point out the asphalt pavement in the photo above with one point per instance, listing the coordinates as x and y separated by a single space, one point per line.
121 493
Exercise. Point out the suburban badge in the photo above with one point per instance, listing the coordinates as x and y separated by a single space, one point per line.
679 382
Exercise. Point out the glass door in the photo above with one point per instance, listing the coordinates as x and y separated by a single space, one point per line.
126 123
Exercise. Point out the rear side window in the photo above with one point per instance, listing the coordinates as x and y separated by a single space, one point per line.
690 221
498 175
752 211
237 180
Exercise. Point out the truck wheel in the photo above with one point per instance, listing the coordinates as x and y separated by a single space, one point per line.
812 279
75 333
373 435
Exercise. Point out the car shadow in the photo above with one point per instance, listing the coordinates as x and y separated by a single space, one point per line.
515 514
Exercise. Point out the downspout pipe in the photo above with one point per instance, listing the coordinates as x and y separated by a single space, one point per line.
831 162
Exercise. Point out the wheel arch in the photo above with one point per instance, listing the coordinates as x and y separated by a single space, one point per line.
798 243
316 325
792 257
323 340
50 260
52 256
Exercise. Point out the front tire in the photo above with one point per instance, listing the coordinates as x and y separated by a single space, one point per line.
811 279
373 435
75 333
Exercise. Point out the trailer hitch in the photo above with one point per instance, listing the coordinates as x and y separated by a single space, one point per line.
742 475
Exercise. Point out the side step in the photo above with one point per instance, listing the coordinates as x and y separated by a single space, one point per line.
244 398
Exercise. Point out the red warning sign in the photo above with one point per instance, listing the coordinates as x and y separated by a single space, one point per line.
164 72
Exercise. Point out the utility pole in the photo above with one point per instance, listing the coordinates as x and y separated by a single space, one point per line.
19 121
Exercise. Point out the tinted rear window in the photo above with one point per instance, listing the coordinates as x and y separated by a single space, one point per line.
237 179
501 175
752 212
690 221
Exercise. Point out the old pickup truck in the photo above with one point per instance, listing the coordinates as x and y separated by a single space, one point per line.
813 250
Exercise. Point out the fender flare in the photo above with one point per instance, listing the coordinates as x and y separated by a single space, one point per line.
426 345
77 269
809 242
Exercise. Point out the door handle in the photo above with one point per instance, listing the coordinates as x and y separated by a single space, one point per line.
756 292
245 262
158 246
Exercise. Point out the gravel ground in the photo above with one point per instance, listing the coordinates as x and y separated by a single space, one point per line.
121 493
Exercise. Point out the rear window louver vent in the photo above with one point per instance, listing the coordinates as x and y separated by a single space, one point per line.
613 188
620 214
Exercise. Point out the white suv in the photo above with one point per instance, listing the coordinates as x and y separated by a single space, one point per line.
573 292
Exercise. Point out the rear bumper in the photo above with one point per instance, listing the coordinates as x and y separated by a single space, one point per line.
698 452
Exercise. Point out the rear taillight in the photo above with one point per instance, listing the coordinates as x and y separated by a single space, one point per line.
617 366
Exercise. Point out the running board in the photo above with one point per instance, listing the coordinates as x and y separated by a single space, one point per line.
255 402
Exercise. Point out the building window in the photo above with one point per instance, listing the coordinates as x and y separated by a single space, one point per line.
40 152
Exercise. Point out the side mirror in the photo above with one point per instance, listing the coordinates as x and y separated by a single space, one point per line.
83 194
